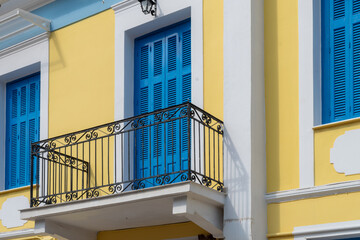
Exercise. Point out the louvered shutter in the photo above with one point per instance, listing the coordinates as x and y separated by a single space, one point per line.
23 116
341 60
167 68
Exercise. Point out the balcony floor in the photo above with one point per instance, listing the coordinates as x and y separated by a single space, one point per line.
173 203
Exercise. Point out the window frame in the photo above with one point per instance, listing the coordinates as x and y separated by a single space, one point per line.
18 61
138 25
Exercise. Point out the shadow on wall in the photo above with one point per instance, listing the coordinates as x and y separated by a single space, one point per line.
57 60
236 180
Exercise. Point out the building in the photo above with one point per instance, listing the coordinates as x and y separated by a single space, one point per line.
120 124
192 119
311 89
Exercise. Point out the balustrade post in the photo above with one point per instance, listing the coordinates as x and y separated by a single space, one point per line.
188 140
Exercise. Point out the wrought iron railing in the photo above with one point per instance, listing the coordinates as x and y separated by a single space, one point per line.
180 143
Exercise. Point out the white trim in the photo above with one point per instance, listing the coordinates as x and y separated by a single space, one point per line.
309 17
137 24
18 61
26 5
17 234
25 44
191 189
329 231
313 192
306 106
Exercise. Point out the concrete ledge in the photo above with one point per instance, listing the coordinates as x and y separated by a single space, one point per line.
140 208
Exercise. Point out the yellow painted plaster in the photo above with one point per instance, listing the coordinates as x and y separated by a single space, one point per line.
213 57
324 139
24 191
81 85
170 231
283 217
281 94
213 26
81 88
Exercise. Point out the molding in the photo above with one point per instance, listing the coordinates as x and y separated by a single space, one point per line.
17 234
18 61
306 96
328 231
24 44
124 5
25 5
313 192
191 189
14 190
339 123
138 24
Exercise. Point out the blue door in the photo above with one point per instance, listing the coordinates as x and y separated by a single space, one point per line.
162 79
22 128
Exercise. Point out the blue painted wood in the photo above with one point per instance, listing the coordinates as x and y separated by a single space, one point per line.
340 60
162 79
22 128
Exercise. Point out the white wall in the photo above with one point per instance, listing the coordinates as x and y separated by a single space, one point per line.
244 118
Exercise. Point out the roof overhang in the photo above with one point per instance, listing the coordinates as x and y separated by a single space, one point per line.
19 25
174 203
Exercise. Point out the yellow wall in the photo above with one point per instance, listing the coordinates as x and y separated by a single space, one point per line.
25 191
283 217
213 57
179 230
281 94
213 73
324 140
81 85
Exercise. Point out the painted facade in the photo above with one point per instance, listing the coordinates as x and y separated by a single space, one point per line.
91 57
312 174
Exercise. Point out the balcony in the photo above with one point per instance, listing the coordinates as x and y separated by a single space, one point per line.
156 168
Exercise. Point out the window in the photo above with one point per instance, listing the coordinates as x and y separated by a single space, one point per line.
22 128
340 60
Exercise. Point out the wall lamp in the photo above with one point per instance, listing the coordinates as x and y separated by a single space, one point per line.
148 6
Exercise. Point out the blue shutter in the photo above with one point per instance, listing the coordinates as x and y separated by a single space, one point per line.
23 116
356 67
356 6
340 59
163 66
158 129
339 9
339 73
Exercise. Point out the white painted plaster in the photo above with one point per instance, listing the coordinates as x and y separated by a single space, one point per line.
344 155
313 192
131 210
18 61
328 231
138 24
244 120
10 214
306 100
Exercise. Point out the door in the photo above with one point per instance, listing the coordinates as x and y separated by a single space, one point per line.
162 79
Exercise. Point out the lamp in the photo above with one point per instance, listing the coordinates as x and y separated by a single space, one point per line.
148 6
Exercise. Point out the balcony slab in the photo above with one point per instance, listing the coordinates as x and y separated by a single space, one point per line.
173 203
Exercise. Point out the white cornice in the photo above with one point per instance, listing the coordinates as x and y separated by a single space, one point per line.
328 230
25 5
121 6
24 44
313 192
17 234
